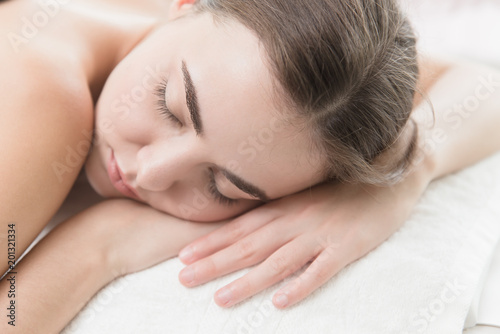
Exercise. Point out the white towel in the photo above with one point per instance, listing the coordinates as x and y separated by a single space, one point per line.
422 280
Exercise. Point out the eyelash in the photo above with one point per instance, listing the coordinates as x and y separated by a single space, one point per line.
163 109
161 104
212 188
160 92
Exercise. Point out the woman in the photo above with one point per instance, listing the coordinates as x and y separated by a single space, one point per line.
164 95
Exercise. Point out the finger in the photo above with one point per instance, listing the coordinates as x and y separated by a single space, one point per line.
226 235
324 267
243 253
284 262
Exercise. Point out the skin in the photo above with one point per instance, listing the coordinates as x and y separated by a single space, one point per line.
73 71
340 232
165 161
74 80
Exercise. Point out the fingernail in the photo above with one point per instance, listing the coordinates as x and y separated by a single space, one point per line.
187 275
281 300
186 254
224 296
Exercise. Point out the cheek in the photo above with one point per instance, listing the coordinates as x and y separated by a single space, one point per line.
126 111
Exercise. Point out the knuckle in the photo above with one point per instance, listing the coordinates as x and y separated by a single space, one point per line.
244 288
321 270
332 250
207 268
321 275
245 249
278 265
234 230
359 242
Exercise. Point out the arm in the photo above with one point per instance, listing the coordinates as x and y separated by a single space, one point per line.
466 100
41 125
325 225
83 254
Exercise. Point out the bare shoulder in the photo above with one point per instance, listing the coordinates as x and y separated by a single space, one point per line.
45 134
45 104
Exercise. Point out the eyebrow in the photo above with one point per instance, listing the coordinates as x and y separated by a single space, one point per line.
192 100
245 186
194 112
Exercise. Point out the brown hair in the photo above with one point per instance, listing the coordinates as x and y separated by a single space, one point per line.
349 67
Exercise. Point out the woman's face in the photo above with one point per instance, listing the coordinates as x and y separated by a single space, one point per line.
190 123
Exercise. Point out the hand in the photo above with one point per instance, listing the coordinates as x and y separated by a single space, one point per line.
330 225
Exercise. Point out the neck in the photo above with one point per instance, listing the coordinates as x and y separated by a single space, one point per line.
106 37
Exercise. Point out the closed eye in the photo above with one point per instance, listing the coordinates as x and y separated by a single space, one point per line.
161 103
214 191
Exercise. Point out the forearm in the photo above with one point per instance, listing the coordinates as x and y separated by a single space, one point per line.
466 102
80 256
55 280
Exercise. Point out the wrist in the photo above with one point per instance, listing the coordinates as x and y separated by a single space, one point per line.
93 248
94 234
110 220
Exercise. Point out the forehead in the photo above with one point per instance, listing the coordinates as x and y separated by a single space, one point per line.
248 128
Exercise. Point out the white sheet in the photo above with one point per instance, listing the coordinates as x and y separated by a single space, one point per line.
487 311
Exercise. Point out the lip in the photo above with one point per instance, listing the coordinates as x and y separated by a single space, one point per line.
116 177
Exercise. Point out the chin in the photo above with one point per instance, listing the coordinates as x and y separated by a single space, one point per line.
97 181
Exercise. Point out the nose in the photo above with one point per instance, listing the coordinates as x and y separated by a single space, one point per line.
160 167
